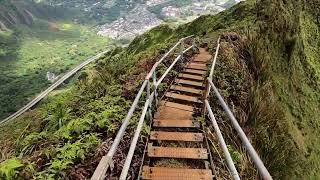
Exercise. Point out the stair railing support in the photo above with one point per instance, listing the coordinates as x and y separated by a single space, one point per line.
154 77
264 173
106 161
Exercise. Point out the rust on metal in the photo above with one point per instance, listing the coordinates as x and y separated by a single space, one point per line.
165 112
190 76
188 82
176 105
185 89
176 123
162 173
192 71
183 97
180 153
176 136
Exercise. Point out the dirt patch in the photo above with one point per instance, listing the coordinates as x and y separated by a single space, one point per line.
54 27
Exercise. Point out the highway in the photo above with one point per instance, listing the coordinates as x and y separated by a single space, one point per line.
51 88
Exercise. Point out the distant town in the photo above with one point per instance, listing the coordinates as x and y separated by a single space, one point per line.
140 19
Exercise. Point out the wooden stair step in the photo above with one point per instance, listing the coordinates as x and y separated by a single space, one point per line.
197 64
192 71
166 112
205 57
186 89
175 123
177 152
163 173
177 105
190 66
183 97
190 76
188 82
201 62
176 136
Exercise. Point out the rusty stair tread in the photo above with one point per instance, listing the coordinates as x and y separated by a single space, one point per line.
163 173
190 76
176 105
176 136
183 97
190 66
188 82
175 123
186 89
192 71
177 152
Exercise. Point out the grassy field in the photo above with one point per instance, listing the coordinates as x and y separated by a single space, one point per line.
28 53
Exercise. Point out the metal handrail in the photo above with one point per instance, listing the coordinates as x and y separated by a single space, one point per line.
215 58
44 93
106 161
264 173
253 154
233 170
224 147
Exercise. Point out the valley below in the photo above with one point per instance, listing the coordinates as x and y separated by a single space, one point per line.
37 47
267 71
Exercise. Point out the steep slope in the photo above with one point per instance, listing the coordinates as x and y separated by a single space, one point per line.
14 12
268 69
35 39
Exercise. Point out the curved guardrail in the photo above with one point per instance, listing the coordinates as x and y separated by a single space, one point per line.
106 161
51 88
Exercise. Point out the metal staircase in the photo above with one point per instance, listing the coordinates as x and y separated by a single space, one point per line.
177 148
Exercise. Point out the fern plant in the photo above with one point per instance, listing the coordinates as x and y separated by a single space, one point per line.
9 168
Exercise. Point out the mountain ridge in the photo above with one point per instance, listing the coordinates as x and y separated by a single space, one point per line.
268 69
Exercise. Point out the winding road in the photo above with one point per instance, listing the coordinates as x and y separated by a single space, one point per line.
51 88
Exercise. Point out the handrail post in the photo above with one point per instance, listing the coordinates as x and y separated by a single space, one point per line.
194 44
134 142
107 160
264 173
181 47
212 66
215 59
222 142
150 103
154 77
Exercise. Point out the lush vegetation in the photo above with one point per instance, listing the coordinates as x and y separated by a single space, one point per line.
279 45
67 128
37 41
28 53
268 70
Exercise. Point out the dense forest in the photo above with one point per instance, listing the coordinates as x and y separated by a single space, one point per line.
269 69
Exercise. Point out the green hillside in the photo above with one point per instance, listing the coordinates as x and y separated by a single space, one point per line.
35 40
268 69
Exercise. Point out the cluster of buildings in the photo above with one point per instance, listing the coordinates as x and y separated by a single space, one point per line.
136 22
195 9
151 3
140 19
